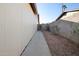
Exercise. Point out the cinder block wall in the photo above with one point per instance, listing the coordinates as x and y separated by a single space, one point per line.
67 28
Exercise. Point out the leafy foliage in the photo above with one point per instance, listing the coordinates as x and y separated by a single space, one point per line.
76 30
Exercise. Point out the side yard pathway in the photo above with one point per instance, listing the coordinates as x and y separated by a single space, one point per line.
61 46
37 46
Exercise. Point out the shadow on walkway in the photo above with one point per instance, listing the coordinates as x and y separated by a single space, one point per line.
37 46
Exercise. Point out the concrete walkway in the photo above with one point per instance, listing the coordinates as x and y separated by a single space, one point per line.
37 46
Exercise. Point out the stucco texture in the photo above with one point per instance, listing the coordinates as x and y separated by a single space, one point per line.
17 26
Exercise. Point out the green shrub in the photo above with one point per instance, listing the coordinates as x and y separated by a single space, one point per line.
76 30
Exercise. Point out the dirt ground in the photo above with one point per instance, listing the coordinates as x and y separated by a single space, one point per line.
60 46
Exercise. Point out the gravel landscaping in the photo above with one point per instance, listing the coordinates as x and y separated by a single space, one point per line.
60 46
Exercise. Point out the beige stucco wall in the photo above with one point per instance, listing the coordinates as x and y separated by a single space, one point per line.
17 26
71 16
